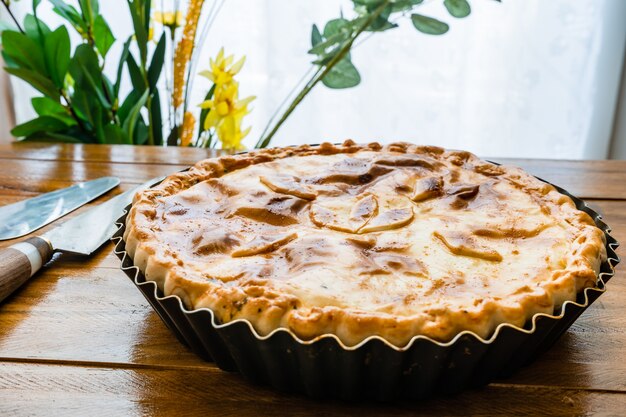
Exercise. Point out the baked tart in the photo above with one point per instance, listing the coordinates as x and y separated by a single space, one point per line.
361 242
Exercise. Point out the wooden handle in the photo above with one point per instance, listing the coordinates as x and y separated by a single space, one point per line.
20 261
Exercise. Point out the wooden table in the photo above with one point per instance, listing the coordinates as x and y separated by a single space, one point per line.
79 339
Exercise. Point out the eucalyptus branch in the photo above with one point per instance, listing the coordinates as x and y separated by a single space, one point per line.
10 12
321 73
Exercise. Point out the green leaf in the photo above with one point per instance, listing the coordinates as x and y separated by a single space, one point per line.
147 15
8 61
120 67
85 70
57 55
63 137
141 132
404 5
157 120
98 124
136 78
36 4
156 65
84 104
89 9
370 4
316 36
103 37
130 123
70 14
137 13
128 104
172 138
23 51
37 80
115 135
108 87
343 75
35 29
205 112
335 26
382 23
337 32
40 124
458 8
429 25
95 7
45 106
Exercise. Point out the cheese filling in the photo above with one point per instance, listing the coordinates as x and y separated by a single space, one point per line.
369 243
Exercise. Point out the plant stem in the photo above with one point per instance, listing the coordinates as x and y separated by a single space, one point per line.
150 132
287 97
6 6
263 142
320 74
72 111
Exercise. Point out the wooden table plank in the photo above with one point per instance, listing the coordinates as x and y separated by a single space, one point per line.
73 390
98 153
79 339
100 317
586 179
104 319
49 175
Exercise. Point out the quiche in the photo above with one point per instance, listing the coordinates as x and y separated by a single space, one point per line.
357 241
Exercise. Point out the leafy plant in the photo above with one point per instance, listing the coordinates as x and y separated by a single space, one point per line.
331 47
80 103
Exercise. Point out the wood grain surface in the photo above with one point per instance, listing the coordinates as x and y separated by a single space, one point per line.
79 339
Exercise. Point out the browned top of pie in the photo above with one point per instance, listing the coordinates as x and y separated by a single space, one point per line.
357 241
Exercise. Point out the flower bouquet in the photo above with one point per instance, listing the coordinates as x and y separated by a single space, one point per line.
81 103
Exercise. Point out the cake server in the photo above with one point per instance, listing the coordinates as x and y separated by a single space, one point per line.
81 235
26 216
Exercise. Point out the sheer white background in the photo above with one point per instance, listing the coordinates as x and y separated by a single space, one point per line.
521 78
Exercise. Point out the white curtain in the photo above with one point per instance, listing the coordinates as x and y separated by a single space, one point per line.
6 108
531 78
618 143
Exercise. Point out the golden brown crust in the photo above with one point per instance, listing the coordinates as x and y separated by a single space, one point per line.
230 269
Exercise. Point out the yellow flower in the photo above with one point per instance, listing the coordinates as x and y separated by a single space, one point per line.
226 110
230 134
226 114
225 103
172 20
222 69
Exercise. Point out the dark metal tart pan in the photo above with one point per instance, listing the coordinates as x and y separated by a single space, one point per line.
374 369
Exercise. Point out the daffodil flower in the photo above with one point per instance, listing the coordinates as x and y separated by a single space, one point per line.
230 134
225 103
172 20
226 110
222 68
